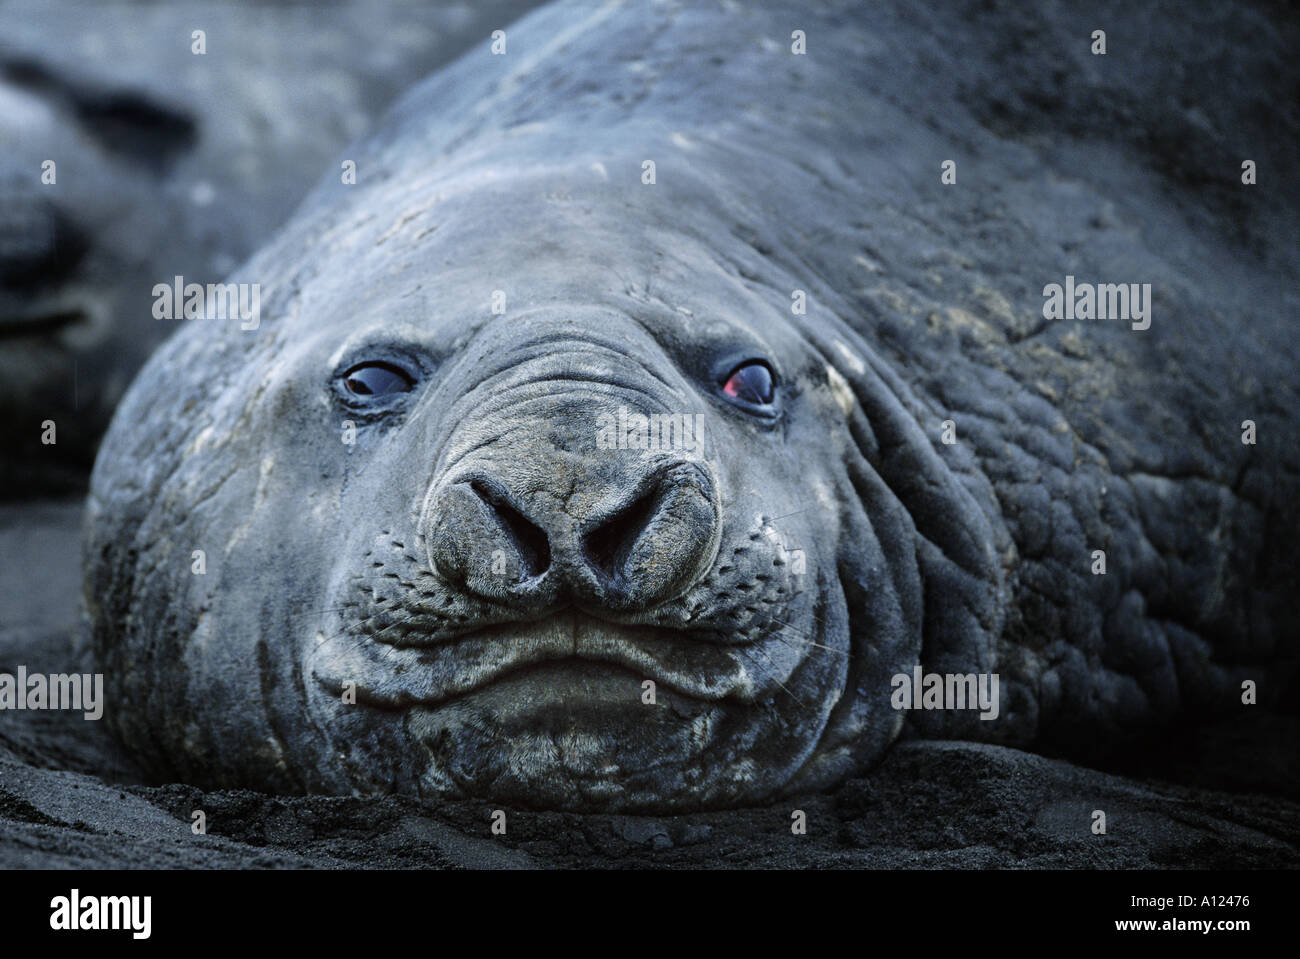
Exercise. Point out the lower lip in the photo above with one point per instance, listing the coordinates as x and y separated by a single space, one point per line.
578 650
565 681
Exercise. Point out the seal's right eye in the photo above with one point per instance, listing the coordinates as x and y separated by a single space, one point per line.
376 379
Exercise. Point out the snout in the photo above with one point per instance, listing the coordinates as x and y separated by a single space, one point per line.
639 542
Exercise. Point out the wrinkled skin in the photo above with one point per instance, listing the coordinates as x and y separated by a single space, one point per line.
497 588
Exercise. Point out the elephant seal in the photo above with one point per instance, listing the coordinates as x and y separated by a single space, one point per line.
645 410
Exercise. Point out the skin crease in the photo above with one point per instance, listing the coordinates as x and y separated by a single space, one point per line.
496 585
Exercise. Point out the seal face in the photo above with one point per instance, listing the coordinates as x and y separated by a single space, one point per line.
473 596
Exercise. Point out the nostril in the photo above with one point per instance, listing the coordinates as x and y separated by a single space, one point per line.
529 541
607 548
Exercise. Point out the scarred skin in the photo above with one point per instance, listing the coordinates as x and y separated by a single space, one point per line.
496 587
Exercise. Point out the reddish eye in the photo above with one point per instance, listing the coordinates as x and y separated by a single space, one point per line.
751 382
376 379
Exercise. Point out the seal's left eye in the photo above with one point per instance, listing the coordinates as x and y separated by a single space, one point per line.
751 382
376 379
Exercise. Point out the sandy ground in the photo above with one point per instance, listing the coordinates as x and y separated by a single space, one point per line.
70 799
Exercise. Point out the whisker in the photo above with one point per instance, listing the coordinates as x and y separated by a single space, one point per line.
809 642
773 519
802 704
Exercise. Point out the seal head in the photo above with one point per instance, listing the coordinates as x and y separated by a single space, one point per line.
616 546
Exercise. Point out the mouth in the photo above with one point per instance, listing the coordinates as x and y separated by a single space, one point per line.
570 644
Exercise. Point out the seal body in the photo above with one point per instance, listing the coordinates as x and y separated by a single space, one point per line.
594 450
